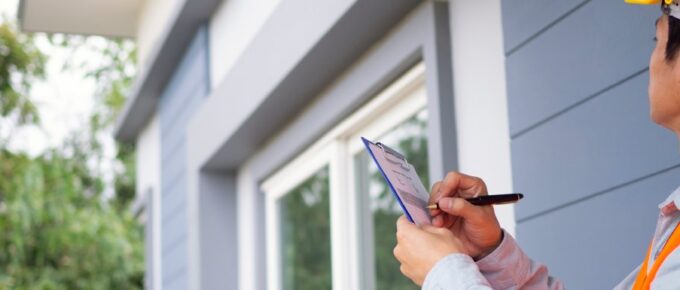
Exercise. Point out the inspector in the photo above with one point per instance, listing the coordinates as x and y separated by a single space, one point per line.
465 248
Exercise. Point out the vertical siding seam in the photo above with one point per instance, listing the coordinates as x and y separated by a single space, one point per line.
546 28
577 104
175 180
172 218
170 277
596 194
208 78
173 246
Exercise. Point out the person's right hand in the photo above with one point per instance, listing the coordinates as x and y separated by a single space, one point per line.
475 226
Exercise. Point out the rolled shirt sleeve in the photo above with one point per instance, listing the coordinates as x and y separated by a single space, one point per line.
507 267
455 271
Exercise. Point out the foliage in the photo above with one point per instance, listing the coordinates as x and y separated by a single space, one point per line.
55 236
306 247
59 232
113 72
21 63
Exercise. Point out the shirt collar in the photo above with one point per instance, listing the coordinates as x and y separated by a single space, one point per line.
671 204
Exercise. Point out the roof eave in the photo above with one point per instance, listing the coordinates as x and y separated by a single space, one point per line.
163 60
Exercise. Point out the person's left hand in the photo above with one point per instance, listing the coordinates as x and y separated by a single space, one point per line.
420 248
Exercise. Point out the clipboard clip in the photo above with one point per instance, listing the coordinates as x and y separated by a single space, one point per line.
396 158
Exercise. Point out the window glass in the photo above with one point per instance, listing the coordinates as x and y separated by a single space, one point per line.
409 138
305 235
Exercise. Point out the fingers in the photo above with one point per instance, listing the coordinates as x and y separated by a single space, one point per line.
459 207
435 189
404 226
403 223
433 198
438 220
455 184
458 184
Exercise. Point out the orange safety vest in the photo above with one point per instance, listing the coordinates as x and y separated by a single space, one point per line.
644 278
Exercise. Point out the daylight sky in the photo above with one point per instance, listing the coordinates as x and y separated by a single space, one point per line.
65 100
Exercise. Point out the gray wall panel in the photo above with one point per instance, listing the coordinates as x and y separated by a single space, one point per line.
174 207
598 45
182 117
614 231
524 18
184 93
592 164
174 260
178 217
218 252
173 170
604 142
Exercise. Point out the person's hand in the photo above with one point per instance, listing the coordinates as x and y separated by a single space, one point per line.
475 226
420 248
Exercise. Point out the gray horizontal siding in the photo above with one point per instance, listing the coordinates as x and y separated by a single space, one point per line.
591 163
598 145
614 231
184 93
598 45
527 18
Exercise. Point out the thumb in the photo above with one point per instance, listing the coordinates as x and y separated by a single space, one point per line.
459 207
403 224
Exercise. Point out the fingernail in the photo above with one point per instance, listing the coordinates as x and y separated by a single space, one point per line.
449 203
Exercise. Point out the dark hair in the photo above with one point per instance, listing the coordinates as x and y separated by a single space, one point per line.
673 45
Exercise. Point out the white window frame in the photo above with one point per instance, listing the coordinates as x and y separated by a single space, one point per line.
351 264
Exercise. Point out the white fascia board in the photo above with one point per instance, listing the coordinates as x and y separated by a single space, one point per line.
89 17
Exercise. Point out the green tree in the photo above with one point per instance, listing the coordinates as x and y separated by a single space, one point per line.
113 72
21 63
305 235
58 232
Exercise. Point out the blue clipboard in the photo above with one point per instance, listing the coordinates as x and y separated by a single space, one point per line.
403 181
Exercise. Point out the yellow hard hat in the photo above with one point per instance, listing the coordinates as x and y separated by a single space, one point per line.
668 7
649 2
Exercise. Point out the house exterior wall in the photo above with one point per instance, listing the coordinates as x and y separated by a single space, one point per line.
184 93
591 163
148 186
148 158
388 51
154 16
232 28
585 155
480 96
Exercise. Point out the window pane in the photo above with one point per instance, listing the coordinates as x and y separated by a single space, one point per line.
409 138
305 235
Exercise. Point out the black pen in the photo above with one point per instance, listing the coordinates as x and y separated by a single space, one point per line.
488 199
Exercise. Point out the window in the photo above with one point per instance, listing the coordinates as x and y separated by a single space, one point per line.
304 220
410 139
330 216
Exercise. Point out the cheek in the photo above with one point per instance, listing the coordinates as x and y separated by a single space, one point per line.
663 97
657 78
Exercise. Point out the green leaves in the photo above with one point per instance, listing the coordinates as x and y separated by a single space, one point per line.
21 63
57 230
56 237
